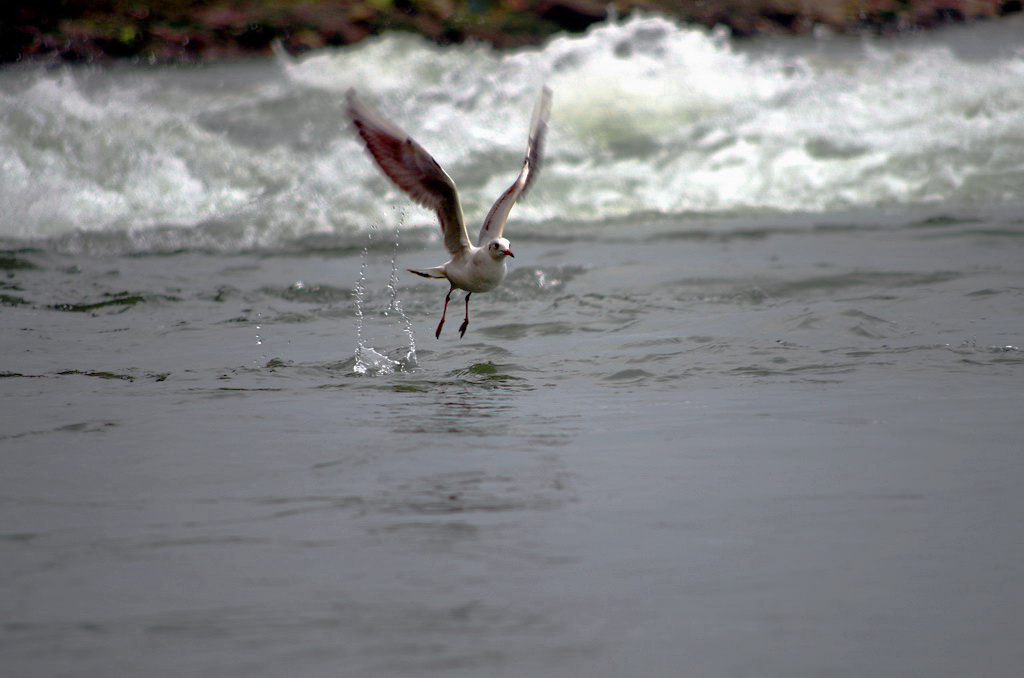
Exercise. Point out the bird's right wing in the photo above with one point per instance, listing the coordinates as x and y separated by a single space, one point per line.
494 224
412 169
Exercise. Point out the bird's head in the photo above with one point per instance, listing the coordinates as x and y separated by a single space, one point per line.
499 248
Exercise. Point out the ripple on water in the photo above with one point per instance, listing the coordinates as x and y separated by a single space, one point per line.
998 355
868 326
304 293
471 491
520 330
813 286
630 376
534 283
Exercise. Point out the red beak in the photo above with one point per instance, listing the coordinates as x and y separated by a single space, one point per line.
509 253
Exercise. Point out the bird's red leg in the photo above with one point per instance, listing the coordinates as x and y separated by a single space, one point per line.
465 323
447 298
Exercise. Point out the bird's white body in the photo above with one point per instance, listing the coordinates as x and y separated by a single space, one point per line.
473 268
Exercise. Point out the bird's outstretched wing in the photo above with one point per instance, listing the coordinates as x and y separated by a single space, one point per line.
494 224
412 169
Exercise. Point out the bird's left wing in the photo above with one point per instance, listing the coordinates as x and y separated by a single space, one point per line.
412 169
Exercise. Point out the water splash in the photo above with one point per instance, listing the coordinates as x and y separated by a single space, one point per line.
369 360
259 340
969 346
394 303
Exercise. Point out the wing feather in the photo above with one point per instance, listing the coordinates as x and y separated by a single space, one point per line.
494 224
412 169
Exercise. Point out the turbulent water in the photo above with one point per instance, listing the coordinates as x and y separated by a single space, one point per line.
747 403
648 119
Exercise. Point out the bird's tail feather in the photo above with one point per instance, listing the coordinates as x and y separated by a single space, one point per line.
436 272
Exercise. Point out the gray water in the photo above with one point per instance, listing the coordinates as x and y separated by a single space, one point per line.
730 441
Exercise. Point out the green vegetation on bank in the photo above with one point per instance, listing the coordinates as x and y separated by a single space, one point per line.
184 30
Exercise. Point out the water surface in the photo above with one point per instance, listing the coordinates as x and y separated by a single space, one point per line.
747 404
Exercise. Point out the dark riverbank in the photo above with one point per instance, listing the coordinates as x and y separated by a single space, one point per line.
187 30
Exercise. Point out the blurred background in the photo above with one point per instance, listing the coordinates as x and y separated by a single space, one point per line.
182 30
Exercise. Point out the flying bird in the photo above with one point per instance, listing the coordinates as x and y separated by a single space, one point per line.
473 268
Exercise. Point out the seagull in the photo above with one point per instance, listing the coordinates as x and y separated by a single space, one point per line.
473 268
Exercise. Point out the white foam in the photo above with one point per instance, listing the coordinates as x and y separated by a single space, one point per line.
648 117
